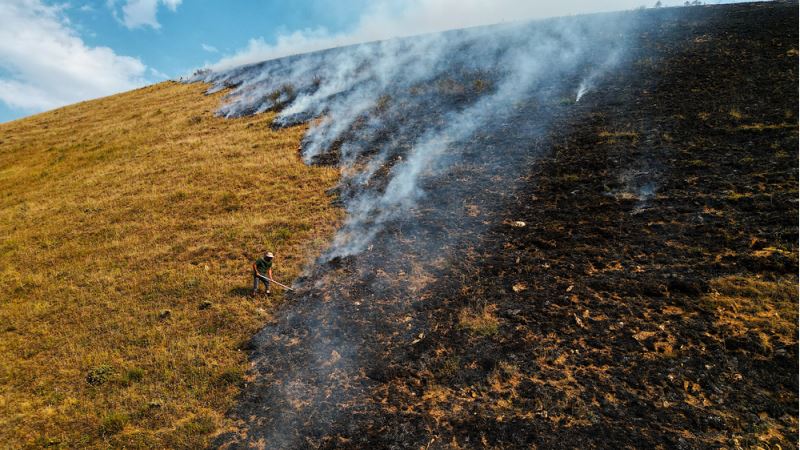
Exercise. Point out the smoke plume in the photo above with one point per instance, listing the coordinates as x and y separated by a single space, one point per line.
421 127
360 95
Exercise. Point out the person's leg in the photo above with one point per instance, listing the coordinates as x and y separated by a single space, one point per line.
265 280
255 284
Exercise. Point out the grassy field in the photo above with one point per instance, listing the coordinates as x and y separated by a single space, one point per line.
128 225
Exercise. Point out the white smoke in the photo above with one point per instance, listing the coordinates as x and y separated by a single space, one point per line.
588 83
386 19
368 99
524 66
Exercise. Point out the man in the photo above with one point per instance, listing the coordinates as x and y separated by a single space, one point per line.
262 270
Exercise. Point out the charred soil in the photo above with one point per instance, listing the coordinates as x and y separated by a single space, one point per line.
635 287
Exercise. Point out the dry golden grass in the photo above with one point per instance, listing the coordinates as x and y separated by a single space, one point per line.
612 137
747 303
736 114
626 134
121 220
482 322
758 126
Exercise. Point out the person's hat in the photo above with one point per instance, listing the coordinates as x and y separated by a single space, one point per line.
270 255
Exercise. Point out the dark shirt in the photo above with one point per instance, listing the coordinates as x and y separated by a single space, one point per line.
263 265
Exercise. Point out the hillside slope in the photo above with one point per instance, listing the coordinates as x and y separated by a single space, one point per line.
614 272
128 225
632 286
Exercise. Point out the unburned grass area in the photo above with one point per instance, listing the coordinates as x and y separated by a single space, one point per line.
129 224
763 311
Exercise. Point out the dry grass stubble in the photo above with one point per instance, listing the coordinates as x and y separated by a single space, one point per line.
128 224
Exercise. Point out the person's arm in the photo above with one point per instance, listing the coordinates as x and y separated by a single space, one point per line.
255 269
270 272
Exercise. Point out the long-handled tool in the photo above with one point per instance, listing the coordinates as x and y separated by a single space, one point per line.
281 285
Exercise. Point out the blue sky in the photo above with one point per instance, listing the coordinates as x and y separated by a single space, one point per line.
57 52
200 32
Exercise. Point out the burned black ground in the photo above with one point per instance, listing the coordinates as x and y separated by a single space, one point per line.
571 306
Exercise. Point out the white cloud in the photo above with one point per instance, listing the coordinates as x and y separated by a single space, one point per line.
209 48
172 4
158 74
385 19
140 13
45 64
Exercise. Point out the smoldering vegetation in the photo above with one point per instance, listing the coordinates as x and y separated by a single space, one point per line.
514 199
397 115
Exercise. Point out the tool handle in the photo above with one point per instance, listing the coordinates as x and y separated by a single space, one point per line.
281 285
